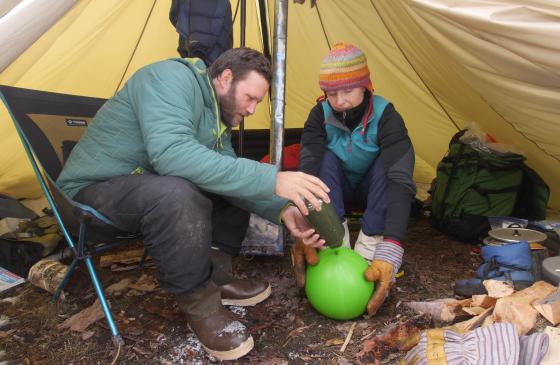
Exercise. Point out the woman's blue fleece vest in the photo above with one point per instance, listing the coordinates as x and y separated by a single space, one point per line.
357 150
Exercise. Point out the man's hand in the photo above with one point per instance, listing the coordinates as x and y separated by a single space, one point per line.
386 261
299 227
297 186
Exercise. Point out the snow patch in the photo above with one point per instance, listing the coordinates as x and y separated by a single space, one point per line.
4 320
188 351
293 355
238 311
233 327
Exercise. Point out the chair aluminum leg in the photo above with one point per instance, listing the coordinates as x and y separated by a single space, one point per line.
117 339
65 280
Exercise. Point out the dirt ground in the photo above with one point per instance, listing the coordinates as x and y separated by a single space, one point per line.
285 327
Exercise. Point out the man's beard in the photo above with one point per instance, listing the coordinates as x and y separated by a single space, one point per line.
227 106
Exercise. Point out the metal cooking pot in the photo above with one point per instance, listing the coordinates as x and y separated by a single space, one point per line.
514 233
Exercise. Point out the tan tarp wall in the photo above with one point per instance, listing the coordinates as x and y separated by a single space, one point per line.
444 64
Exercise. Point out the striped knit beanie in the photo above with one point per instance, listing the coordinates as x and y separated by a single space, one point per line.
345 67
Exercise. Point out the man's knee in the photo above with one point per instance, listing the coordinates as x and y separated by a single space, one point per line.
171 191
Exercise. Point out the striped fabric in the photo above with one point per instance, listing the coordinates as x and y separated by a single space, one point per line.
533 348
345 67
497 344
391 253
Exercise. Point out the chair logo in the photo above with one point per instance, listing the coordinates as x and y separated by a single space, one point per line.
76 122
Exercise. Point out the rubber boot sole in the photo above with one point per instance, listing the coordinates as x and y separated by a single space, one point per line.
233 354
249 301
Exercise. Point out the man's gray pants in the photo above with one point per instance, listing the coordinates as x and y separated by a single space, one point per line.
177 221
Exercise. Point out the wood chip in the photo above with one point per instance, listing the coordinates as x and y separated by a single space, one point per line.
549 307
474 311
484 301
517 308
472 323
488 321
497 288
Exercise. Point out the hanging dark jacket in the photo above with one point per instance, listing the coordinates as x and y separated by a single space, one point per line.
205 27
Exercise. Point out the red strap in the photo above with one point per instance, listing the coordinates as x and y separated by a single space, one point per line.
368 114
392 241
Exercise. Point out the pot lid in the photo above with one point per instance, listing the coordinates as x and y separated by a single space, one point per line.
516 234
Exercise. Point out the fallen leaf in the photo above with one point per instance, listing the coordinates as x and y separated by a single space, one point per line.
334 342
117 288
81 320
171 314
4 334
87 335
146 283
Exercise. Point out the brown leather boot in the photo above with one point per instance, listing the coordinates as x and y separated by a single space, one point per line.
241 292
245 292
221 335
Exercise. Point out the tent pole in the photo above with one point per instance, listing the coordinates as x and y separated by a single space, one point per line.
278 92
242 44
278 82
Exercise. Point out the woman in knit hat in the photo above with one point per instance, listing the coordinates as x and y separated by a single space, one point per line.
357 143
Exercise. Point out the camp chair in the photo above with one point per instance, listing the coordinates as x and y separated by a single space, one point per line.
49 124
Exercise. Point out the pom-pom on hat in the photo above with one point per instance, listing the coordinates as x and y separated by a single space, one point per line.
345 67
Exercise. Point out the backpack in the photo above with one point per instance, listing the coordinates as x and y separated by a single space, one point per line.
18 256
33 240
533 196
472 184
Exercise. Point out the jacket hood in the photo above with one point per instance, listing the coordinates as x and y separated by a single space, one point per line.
203 78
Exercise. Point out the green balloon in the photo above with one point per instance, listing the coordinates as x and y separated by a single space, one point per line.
336 286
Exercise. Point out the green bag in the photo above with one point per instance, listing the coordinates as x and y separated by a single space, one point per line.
472 184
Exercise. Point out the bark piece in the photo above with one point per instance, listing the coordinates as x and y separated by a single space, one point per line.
497 288
549 307
517 308
484 301
397 337
123 257
444 310
80 321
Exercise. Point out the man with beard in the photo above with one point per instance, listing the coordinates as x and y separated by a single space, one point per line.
157 160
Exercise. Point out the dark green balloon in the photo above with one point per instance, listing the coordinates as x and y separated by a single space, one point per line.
336 286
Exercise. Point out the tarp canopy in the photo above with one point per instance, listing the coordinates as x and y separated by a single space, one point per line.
443 64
